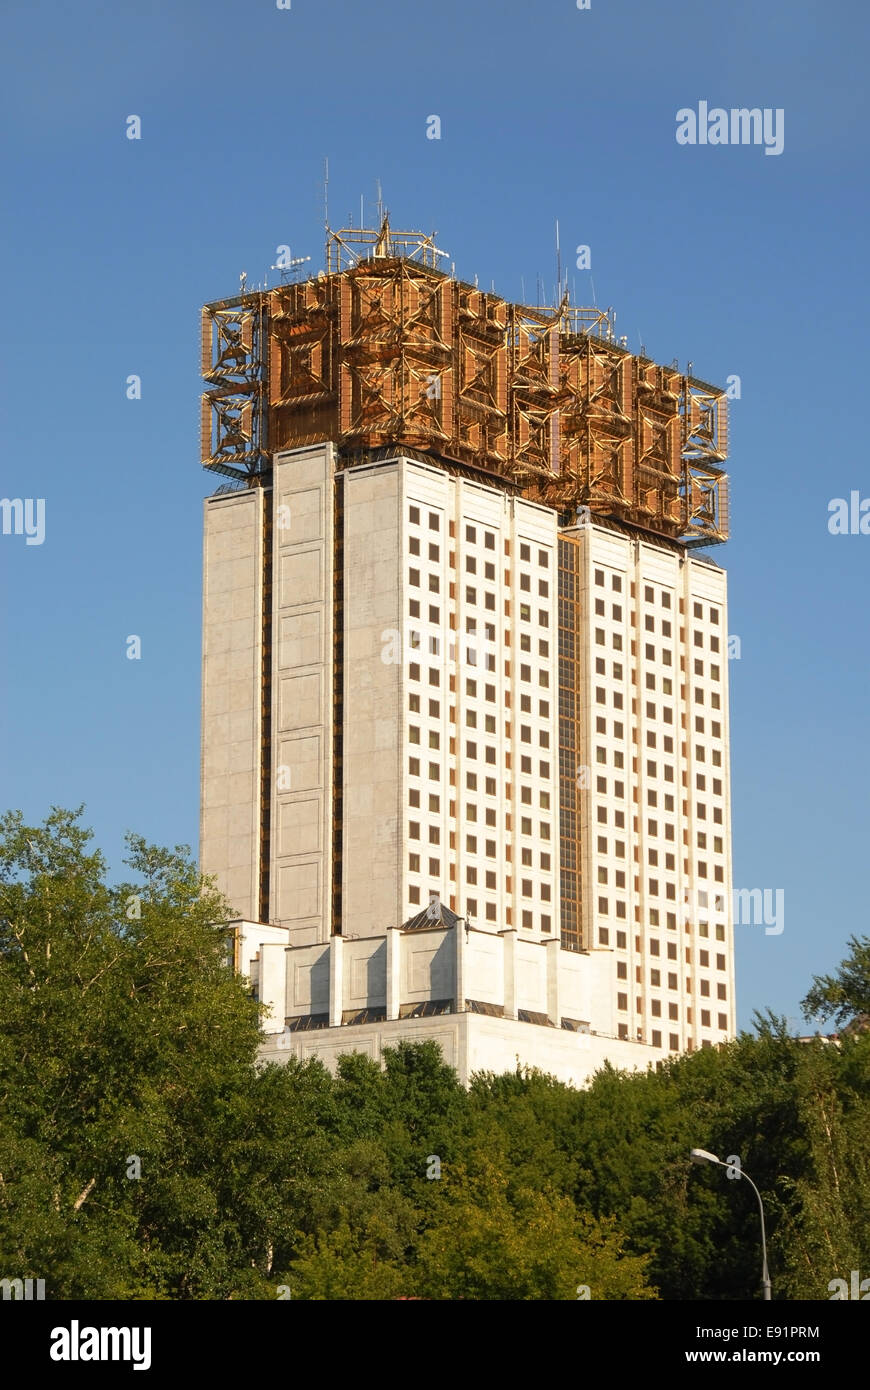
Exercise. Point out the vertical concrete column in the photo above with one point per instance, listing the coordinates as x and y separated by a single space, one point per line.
460 956
554 1012
394 972
336 980
273 985
509 938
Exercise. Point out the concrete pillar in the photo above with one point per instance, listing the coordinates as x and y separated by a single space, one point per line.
336 980
273 985
509 938
554 1011
460 957
394 971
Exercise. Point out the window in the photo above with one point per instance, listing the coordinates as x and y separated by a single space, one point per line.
434 522
414 516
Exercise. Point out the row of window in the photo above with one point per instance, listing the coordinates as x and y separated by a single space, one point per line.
529 919
653 945
490 788
655 980
649 623
650 596
471 842
471 535
673 1015
621 938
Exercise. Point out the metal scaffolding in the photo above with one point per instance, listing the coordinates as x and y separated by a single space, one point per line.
386 349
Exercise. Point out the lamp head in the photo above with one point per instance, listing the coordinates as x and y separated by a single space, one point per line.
703 1156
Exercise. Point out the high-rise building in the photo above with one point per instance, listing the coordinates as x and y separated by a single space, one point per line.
465 697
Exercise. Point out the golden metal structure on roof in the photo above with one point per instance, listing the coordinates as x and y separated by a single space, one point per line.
386 349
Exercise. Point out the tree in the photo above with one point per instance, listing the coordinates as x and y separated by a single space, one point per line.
142 1153
483 1242
846 994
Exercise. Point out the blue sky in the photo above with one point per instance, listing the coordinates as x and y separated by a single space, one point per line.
741 262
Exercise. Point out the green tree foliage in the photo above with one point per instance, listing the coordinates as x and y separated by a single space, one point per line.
846 994
127 1045
144 1152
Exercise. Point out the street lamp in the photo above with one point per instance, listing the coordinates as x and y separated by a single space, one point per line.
703 1156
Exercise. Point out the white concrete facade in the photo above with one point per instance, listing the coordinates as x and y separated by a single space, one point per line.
231 666
538 999
450 678
656 829
412 737
300 849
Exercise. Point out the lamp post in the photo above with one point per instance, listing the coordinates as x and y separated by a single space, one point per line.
703 1156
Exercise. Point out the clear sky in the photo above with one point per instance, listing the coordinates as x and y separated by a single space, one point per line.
744 263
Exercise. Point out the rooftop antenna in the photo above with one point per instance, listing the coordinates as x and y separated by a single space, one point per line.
523 289
361 217
243 281
380 203
594 298
289 271
326 193
558 264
